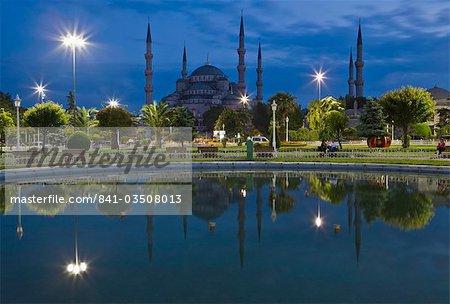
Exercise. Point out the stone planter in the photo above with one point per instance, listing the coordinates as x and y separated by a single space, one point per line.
379 141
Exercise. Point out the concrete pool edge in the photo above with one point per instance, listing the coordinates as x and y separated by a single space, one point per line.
289 166
47 172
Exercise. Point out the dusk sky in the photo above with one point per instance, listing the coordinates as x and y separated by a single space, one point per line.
405 42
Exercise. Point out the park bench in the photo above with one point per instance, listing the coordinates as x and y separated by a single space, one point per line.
264 151
208 152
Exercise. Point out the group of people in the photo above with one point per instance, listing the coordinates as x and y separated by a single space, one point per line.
325 147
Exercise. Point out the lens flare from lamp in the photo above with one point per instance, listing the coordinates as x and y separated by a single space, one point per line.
112 102
70 267
318 222
76 269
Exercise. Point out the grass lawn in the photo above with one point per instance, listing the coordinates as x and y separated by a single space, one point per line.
429 162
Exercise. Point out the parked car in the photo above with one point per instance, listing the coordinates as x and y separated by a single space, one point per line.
260 140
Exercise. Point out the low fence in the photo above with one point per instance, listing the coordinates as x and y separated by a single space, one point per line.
11 160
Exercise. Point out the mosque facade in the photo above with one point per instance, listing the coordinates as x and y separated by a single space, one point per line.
207 86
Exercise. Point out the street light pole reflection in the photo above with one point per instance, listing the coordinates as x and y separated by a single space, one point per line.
77 267
318 220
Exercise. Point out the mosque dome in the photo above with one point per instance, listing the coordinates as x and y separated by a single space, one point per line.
439 93
207 70
210 199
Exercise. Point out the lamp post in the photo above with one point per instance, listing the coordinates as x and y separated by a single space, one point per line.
319 77
74 42
392 130
274 109
17 101
287 129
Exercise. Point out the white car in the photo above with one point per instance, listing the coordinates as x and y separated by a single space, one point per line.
260 139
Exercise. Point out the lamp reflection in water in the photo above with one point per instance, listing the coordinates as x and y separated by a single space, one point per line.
318 220
19 229
77 267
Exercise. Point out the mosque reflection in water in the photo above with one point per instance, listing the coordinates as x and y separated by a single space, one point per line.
405 202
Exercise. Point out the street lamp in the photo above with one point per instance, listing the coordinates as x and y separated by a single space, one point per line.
319 77
287 129
274 109
244 100
74 42
40 90
17 101
113 102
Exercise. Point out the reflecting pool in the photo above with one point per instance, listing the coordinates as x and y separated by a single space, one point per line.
287 237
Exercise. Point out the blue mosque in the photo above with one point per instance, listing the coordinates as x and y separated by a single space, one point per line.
207 86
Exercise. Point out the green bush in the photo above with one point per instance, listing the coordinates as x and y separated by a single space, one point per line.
303 134
79 140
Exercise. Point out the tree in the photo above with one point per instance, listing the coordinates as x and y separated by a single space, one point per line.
318 109
444 121
85 117
46 115
235 121
286 107
407 106
261 117
6 121
372 120
210 117
114 117
444 117
71 108
6 102
181 117
336 122
421 129
156 115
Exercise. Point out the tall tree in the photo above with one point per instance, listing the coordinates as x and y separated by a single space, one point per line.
336 122
444 121
286 107
86 117
210 117
318 110
71 108
46 115
235 121
181 117
156 115
372 120
261 117
114 117
407 106
6 121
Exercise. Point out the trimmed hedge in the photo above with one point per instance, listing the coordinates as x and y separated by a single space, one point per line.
79 140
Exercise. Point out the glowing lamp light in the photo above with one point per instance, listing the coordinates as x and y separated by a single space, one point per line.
76 269
70 267
73 40
112 102
245 99
319 76
318 222
83 266
243 192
